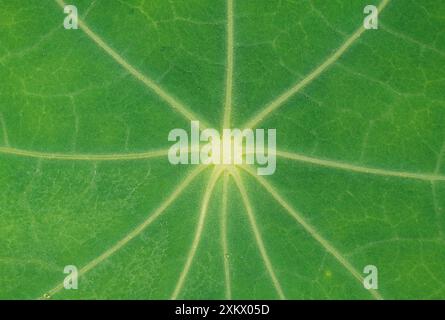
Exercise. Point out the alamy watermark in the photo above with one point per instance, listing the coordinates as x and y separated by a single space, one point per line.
232 147
370 281
71 280
72 20
371 21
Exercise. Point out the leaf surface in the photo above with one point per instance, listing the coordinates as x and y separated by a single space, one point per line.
85 115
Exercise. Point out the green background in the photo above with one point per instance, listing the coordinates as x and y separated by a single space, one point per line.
380 105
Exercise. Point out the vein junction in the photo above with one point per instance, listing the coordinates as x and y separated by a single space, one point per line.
231 171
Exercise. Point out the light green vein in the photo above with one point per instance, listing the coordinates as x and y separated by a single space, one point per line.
310 229
278 102
198 233
359 169
136 231
83 157
230 66
224 244
151 84
256 232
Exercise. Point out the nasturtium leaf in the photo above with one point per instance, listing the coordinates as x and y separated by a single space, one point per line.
85 116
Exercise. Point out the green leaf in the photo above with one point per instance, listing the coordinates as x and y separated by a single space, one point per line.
85 115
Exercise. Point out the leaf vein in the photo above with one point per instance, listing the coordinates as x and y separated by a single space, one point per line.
359 169
151 84
136 231
279 101
257 234
311 230
198 233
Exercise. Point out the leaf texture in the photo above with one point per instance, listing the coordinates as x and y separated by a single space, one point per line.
85 180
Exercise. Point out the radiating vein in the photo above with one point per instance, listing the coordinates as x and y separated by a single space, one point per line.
151 84
224 244
310 229
256 232
136 231
229 67
359 169
198 233
83 157
278 102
